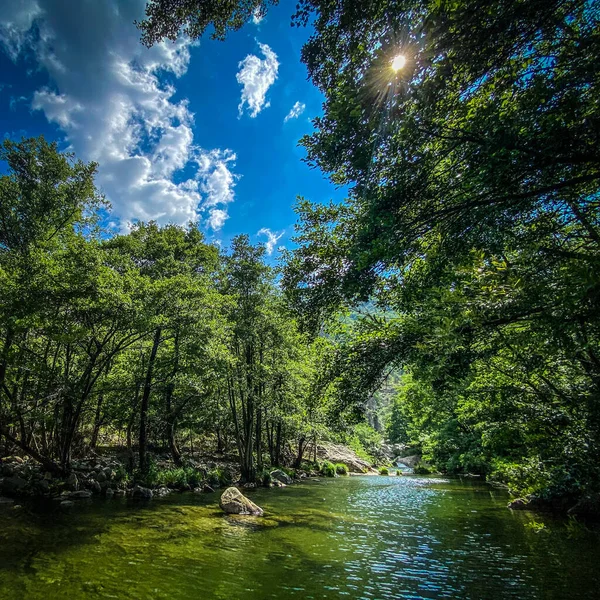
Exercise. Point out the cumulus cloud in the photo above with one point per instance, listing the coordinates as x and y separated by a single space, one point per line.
272 238
216 182
114 101
256 76
295 111
217 218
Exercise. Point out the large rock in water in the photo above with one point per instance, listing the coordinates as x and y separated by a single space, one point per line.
338 453
233 502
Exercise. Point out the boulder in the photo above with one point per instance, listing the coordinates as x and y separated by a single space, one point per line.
408 461
233 502
42 487
72 482
141 493
281 476
338 453
13 486
109 493
66 505
100 477
80 495
94 486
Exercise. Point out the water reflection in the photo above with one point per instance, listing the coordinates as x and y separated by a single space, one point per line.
354 537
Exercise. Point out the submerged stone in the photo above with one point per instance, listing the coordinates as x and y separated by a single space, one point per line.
233 502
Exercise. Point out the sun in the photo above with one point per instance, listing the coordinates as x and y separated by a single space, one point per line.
398 62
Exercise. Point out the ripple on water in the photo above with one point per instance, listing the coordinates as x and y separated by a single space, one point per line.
356 537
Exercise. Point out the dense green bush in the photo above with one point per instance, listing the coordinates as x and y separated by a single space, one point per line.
341 469
328 469
383 471
422 469
219 477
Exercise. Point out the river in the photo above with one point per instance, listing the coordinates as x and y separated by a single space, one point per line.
351 537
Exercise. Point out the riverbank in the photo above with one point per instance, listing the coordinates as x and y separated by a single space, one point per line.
107 474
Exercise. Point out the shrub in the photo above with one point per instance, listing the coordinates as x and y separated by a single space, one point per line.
328 469
383 471
341 469
422 469
219 477
263 477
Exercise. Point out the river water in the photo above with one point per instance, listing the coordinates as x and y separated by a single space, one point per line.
351 537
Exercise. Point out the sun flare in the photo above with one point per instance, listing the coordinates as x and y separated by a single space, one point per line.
398 62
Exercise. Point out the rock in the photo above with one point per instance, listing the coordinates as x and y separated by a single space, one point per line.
94 486
163 490
6 501
338 453
281 476
72 482
13 486
100 477
41 487
109 493
80 495
233 502
250 485
141 493
408 461
66 505
277 483
519 504
119 493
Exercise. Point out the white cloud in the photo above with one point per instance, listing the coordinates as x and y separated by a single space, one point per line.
16 19
295 111
272 238
256 16
110 96
257 76
217 218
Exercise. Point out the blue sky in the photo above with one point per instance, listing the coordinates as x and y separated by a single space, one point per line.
207 130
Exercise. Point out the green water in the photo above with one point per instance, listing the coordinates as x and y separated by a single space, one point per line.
352 537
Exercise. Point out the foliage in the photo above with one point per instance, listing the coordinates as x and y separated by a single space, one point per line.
328 469
219 477
422 469
383 471
152 333
341 469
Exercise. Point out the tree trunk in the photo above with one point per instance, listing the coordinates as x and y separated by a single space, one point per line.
143 440
97 423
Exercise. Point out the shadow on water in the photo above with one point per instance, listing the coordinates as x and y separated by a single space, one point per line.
359 537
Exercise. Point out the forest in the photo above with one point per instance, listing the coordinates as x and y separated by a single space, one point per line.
464 264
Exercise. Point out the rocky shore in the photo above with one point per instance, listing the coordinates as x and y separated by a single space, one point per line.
106 476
